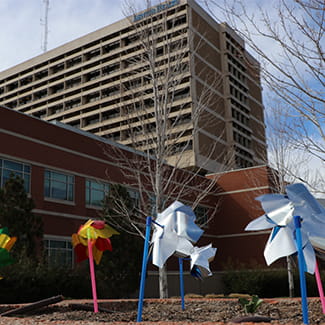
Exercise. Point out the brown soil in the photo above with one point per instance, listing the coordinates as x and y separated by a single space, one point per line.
282 311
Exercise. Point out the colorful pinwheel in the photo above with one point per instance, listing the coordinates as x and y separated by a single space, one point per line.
90 242
98 233
298 226
6 243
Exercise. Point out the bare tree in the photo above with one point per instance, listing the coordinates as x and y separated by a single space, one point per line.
285 164
283 156
288 38
163 121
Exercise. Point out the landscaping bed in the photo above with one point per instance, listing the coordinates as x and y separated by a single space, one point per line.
200 310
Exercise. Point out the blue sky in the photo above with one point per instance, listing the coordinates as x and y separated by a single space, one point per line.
21 31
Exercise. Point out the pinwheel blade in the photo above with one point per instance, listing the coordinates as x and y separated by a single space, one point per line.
182 219
279 245
201 257
277 207
260 223
164 248
96 229
6 243
318 242
184 248
310 258
187 228
5 257
164 239
305 203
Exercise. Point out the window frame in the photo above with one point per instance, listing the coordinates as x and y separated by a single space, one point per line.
70 185
68 248
202 219
134 195
24 174
89 189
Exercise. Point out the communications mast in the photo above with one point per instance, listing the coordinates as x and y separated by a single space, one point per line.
44 22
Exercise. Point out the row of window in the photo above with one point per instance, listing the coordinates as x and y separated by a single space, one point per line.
242 140
57 185
60 186
59 252
238 94
102 58
171 23
62 103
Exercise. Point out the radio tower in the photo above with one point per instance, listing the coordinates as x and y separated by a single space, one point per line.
44 22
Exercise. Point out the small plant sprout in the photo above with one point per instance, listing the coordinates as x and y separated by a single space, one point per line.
250 306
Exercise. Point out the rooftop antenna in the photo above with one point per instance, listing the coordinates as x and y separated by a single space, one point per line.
44 22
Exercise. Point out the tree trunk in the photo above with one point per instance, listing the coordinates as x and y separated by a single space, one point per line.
290 277
163 284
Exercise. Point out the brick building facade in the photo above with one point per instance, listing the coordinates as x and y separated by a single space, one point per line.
68 172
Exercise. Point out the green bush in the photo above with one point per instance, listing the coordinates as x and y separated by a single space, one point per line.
119 270
266 283
117 276
29 281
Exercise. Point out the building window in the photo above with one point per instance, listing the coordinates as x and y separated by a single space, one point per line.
58 252
8 167
96 192
134 197
201 215
58 186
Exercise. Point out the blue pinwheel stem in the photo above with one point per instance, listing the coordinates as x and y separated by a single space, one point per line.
302 266
181 282
144 268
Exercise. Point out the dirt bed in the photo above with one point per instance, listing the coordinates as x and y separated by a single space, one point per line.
282 311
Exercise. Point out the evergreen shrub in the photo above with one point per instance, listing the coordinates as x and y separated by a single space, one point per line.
117 276
266 283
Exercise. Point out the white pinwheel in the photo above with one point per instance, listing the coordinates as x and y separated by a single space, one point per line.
175 233
279 213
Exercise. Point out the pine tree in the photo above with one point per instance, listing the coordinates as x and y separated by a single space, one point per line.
120 269
16 214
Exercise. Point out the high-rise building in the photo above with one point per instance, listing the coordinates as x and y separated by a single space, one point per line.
106 82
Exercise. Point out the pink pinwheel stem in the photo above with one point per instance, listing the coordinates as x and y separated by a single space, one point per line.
92 274
320 287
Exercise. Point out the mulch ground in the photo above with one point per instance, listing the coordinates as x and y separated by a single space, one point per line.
201 311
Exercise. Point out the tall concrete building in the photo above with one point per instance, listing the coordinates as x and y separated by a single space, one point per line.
108 83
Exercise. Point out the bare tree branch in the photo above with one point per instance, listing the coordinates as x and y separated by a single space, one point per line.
162 120
289 42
